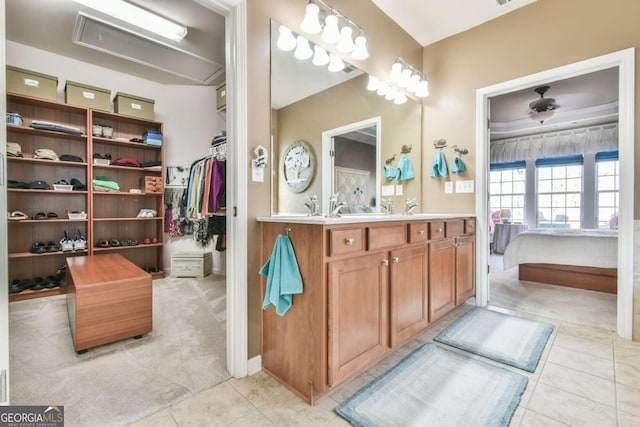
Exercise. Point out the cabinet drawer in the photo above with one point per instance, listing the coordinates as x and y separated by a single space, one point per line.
345 241
418 232
454 227
436 230
387 236
470 226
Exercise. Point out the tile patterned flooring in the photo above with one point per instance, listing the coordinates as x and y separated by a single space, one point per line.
586 377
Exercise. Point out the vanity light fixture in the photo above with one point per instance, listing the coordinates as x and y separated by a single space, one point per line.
303 50
318 11
404 78
139 17
286 39
320 56
335 63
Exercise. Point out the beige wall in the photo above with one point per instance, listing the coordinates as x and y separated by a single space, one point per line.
341 105
384 46
540 36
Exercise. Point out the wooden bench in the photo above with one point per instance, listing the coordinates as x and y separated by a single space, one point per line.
108 299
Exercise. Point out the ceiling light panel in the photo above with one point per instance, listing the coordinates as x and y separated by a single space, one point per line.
109 38
139 17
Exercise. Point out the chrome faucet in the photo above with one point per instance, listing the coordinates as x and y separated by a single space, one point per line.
313 206
334 206
388 206
409 206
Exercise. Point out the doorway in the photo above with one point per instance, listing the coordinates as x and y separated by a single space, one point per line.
625 62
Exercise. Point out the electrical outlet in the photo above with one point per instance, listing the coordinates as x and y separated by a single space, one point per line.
398 190
448 187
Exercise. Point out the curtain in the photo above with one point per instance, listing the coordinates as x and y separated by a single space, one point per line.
583 140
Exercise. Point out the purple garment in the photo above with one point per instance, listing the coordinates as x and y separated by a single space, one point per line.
217 185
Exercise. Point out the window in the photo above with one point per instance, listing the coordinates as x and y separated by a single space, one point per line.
507 188
559 193
607 189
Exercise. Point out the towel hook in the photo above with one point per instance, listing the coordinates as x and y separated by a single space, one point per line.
287 230
406 149
390 159
440 143
460 150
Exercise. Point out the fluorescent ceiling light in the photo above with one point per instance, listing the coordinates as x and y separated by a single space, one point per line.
134 15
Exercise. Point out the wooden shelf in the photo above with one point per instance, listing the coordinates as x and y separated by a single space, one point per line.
50 192
15 255
117 248
46 162
45 221
155 218
126 168
123 143
29 294
123 193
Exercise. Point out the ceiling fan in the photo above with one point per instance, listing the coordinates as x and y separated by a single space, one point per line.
542 108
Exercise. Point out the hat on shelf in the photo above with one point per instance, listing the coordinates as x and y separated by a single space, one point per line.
45 154
14 149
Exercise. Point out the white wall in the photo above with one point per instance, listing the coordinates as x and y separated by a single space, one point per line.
188 114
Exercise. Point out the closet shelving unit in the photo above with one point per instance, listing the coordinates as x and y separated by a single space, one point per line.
109 215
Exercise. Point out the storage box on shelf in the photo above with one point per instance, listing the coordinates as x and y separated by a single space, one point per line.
117 224
191 264
132 105
84 95
31 83
31 190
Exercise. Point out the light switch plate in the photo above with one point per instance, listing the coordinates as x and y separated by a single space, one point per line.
398 190
464 186
387 190
257 173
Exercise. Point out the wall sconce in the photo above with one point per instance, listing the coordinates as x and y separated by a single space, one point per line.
312 23
403 78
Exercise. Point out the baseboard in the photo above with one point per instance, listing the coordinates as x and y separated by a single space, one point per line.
254 365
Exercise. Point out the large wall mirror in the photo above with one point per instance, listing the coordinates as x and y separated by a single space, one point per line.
351 132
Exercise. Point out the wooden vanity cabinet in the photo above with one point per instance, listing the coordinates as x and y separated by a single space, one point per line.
366 291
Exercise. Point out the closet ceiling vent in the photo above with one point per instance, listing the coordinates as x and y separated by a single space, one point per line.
112 39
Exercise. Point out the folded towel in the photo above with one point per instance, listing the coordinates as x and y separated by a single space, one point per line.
390 172
112 185
439 167
283 276
458 165
405 169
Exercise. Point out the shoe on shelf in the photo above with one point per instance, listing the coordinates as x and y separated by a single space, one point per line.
38 248
66 244
79 242
37 284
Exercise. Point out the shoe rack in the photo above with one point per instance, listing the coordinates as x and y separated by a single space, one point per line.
112 216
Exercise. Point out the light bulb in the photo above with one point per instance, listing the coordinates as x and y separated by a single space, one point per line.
423 89
286 41
391 94
383 89
400 98
335 63
331 33
405 77
360 50
374 83
303 50
413 83
320 56
345 44
396 71
311 24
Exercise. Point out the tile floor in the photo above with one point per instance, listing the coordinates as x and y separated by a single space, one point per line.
586 377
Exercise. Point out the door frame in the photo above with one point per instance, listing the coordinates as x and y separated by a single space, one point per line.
4 251
625 61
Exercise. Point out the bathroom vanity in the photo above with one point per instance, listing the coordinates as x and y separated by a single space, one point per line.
371 283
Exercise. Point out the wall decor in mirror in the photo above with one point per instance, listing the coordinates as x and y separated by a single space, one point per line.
348 129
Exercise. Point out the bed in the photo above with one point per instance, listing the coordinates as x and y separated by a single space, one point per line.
583 259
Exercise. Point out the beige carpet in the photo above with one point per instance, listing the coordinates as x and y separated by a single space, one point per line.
119 383
579 306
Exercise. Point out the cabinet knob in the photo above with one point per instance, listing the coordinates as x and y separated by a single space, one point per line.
420 232
395 259
349 241
439 230
385 262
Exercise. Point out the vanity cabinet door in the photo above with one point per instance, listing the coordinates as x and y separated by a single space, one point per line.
442 276
358 321
465 268
408 293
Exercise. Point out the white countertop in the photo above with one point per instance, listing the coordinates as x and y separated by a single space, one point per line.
356 218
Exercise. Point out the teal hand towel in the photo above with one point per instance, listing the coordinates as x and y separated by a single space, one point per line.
439 167
390 172
283 276
405 169
458 165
